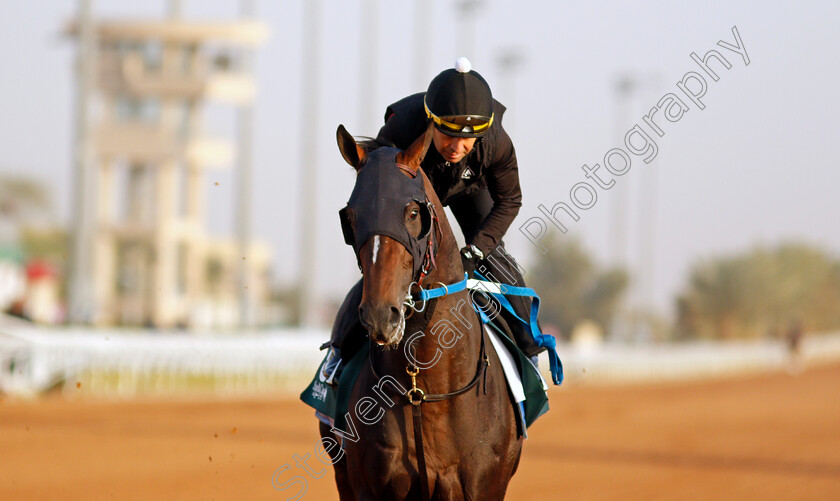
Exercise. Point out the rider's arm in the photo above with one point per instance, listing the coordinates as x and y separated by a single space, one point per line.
405 121
503 183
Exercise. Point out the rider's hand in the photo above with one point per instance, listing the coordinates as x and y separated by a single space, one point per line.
470 257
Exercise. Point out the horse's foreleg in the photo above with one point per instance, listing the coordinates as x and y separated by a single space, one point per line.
342 482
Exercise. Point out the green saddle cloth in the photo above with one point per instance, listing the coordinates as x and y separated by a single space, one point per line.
332 402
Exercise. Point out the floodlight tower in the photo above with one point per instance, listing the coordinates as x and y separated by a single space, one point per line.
81 293
467 10
309 119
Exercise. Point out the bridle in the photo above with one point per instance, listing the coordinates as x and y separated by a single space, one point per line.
427 266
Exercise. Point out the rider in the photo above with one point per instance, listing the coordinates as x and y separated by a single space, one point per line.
473 170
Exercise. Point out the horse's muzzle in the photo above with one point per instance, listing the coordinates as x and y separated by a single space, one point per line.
385 323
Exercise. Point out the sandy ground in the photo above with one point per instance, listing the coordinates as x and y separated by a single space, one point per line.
761 437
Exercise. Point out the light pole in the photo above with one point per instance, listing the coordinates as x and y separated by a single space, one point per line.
369 75
422 39
81 286
465 31
509 61
625 87
648 192
310 111
243 185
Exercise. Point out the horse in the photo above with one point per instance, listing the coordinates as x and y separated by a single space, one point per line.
446 426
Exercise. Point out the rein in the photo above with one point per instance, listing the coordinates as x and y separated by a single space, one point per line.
424 295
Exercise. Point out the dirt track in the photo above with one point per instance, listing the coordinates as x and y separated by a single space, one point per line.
764 437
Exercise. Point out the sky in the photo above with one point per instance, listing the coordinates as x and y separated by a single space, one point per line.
756 166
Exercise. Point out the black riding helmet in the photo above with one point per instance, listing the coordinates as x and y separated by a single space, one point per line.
459 101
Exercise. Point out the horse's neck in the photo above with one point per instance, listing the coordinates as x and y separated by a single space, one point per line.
448 268
452 335
452 340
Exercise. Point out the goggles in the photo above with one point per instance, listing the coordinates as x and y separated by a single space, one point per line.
461 124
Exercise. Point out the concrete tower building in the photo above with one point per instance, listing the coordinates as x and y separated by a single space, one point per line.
143 256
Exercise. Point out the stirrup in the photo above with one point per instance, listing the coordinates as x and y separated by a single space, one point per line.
332 368
535 361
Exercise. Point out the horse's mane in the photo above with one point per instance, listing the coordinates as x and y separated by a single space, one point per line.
368 143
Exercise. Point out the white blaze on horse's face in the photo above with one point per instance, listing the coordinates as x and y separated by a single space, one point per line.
386 274
375 247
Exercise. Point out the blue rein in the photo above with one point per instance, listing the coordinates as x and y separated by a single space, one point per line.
443 290
544 340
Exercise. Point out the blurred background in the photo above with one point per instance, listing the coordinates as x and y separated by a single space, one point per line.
171 256
169 168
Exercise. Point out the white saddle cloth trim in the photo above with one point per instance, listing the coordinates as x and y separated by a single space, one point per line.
509 366
484 286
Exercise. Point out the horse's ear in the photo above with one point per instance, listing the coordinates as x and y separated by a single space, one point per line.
351 151
414 154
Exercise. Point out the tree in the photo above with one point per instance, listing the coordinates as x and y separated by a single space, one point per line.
21 197
573 287
21 200
758 293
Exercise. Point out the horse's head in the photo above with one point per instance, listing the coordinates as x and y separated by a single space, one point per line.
389 223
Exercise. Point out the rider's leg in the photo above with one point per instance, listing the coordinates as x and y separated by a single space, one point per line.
347 334
498 266
470 211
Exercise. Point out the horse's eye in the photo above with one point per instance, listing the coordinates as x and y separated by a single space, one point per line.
413 214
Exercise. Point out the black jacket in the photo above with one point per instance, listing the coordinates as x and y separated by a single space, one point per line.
491 164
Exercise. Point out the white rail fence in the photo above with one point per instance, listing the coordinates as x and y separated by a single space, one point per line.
693 360
129 363
125 363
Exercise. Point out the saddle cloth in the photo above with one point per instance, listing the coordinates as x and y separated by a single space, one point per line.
527 388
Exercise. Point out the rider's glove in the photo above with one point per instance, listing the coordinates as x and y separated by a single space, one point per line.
470 256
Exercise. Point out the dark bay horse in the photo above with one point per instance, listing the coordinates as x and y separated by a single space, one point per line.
469 442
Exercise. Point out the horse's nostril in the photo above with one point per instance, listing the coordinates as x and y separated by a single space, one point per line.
376 317
363 318
396 316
